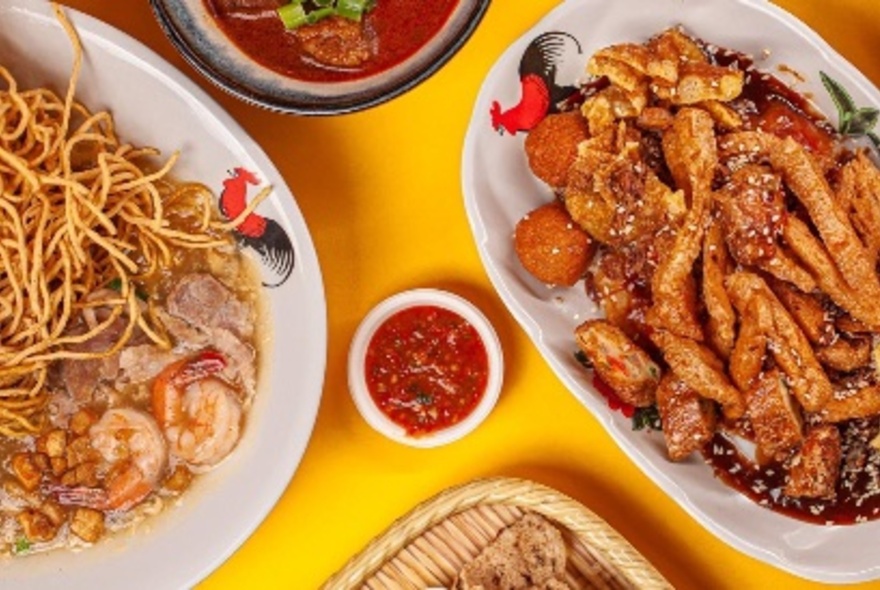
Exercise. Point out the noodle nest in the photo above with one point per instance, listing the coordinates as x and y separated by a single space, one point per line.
80 211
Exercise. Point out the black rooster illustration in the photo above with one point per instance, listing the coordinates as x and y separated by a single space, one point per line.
264 235
540 92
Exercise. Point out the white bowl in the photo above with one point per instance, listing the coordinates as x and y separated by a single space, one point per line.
357 383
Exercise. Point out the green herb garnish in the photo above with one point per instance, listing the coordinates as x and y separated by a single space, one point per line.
22 546
424 399
647 419
309 12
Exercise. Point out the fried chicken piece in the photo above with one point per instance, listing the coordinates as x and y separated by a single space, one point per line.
551 246
619 362
816 466
775 418
552 146
688 419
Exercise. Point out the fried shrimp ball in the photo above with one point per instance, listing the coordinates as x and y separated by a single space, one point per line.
551 147
551 246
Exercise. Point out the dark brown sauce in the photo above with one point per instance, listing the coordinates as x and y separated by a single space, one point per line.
769 104
858 489
400 28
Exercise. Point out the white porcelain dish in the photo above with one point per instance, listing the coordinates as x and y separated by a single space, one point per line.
358 352
499 189
154 104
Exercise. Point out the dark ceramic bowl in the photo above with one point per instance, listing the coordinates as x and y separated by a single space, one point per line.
196 35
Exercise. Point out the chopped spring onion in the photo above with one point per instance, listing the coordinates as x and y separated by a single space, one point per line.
309 12
353 9
293 15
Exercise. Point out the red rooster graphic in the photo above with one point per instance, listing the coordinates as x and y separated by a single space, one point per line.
540 92
264 235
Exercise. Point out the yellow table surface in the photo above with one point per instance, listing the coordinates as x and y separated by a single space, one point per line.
381 193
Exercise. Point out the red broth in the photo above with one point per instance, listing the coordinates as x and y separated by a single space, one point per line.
426 369
401 28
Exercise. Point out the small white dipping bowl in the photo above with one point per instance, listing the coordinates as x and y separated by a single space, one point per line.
357 382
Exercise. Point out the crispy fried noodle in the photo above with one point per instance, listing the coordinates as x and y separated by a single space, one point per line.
79 211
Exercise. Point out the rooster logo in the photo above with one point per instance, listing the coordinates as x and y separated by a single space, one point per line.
539 91
265 236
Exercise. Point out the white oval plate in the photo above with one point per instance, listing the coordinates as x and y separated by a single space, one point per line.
156 105
499 189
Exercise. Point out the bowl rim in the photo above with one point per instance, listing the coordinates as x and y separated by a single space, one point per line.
357 357
339 105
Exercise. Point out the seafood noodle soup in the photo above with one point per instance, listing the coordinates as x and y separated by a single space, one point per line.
128 325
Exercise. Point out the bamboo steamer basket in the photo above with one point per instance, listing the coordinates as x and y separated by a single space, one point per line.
427 547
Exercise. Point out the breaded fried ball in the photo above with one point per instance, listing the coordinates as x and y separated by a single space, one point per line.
551 147
552 247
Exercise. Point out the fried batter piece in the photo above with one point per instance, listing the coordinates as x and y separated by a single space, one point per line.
859 193
551 246
688 419
700 370
803 175
722 319
789 346
752 213
845 355
619 362
689 148
612 282
700 82
613 195
816 466
552 146
829 278
774 416
749 352
848 404
807 310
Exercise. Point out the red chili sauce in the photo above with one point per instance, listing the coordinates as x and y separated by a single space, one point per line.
394 30
426 369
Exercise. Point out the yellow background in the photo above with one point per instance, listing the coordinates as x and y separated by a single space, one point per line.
380 191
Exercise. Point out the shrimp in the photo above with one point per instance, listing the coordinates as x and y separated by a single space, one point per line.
199 413
131 443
